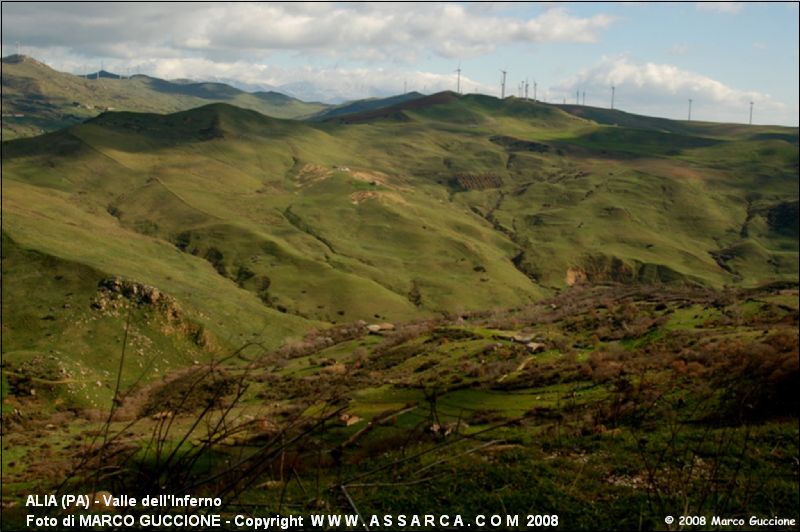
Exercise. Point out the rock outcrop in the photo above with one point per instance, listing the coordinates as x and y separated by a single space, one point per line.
116 293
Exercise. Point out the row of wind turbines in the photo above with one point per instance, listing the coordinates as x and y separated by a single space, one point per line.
525 85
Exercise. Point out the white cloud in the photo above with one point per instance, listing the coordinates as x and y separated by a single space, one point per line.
281 43
398 32
663 89
730 8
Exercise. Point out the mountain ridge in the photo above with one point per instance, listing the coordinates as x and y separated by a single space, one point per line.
47 100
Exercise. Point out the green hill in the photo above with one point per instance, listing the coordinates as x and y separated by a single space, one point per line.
38 99
258 228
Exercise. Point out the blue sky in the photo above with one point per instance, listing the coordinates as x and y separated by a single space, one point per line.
722 55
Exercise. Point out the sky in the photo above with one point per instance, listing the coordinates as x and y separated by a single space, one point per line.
721 55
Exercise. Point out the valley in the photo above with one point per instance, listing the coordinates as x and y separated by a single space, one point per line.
571 305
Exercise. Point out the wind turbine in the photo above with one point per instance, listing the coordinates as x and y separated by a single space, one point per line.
751 113
534 90
690 109
458 79
526 88
612 96
503 85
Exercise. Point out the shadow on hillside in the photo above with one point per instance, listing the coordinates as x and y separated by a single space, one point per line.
639 142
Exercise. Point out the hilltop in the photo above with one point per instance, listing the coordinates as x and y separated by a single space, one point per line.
39 99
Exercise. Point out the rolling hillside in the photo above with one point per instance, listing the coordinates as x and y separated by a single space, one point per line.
257 229
451 292
38 99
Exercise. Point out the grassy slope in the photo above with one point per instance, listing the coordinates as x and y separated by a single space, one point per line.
270 227
46 97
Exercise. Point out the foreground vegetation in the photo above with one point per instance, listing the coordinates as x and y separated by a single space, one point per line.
609 406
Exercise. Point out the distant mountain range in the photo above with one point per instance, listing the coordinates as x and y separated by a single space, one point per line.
38 99
302 90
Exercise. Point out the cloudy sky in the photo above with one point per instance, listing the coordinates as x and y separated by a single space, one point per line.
722 55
